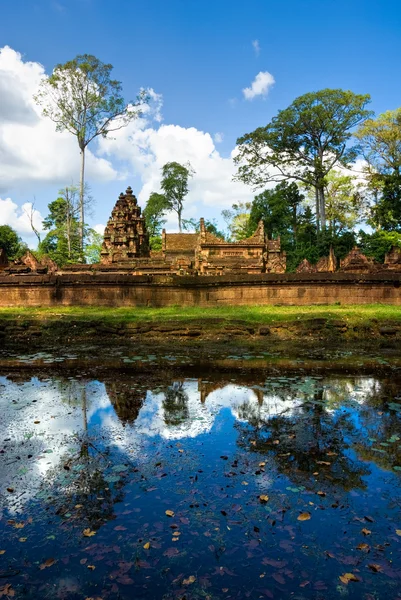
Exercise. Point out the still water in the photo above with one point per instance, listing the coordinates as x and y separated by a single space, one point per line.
200 488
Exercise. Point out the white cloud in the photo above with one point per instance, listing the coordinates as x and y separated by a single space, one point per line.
19 218
99 228
147 149
218 137
260 86
31 151
256 47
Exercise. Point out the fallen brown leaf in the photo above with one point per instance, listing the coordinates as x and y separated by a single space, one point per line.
48 563
347 577
88 532
170 513
305 516
191 579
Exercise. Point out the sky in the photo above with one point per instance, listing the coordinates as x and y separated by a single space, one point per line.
216 69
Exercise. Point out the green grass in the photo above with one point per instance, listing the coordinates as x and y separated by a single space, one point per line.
352 314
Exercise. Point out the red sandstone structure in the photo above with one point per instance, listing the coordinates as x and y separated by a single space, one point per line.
195 269
126 247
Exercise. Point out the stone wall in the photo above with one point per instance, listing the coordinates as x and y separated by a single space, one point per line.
99 289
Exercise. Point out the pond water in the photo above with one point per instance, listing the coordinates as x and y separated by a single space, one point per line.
200 488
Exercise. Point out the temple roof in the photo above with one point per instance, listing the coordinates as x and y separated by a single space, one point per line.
181 241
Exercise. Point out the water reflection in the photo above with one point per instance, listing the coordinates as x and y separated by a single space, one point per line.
110 456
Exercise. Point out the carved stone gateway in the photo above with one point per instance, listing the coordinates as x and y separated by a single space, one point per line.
357 262
125 235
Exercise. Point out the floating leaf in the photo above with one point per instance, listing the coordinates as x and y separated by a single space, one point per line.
366 531
191 579
321 494
2 551
147 545
398 531
347 577
170 513
23 539
88 532
91 567
363 547
48 563
263 498
375 567
305 516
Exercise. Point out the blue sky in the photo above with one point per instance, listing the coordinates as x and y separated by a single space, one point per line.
199 56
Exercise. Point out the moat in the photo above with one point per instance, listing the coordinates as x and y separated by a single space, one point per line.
208 485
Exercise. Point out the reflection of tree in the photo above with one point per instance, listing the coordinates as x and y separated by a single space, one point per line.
311 438
379 439
175 404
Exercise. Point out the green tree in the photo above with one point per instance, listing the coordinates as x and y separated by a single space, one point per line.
304 142
62 242
10 242
345 204
280 209
155 209
380 140
378 243
210 226
237 219
93 247
174 184
80 97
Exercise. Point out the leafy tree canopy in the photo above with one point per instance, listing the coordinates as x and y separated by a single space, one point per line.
11 243
174 184
304 142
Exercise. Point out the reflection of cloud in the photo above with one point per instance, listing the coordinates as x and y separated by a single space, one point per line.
58 405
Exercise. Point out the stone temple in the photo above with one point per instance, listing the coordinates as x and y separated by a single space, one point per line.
126 247
125 236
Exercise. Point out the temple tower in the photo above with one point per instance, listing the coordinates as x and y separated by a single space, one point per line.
125 235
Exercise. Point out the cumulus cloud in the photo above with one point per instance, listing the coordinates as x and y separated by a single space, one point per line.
31 151
33 155
19 218
147 149
99 228
256 47
260 86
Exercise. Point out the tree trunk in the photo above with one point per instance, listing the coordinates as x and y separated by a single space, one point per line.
179 221
317 210
81 202
322 208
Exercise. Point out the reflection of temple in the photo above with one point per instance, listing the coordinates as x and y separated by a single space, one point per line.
126 400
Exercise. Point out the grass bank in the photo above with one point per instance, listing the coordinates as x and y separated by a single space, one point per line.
352 315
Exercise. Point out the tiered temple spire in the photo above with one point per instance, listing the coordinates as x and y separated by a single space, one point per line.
125 236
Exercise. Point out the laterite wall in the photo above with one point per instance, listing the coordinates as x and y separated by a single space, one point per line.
128 290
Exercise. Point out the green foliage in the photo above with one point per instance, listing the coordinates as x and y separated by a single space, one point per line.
304 142
93 247
210 226
279 209
155 209
237 220
174 184
378 243
62 243
11 243
380 140
386 211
